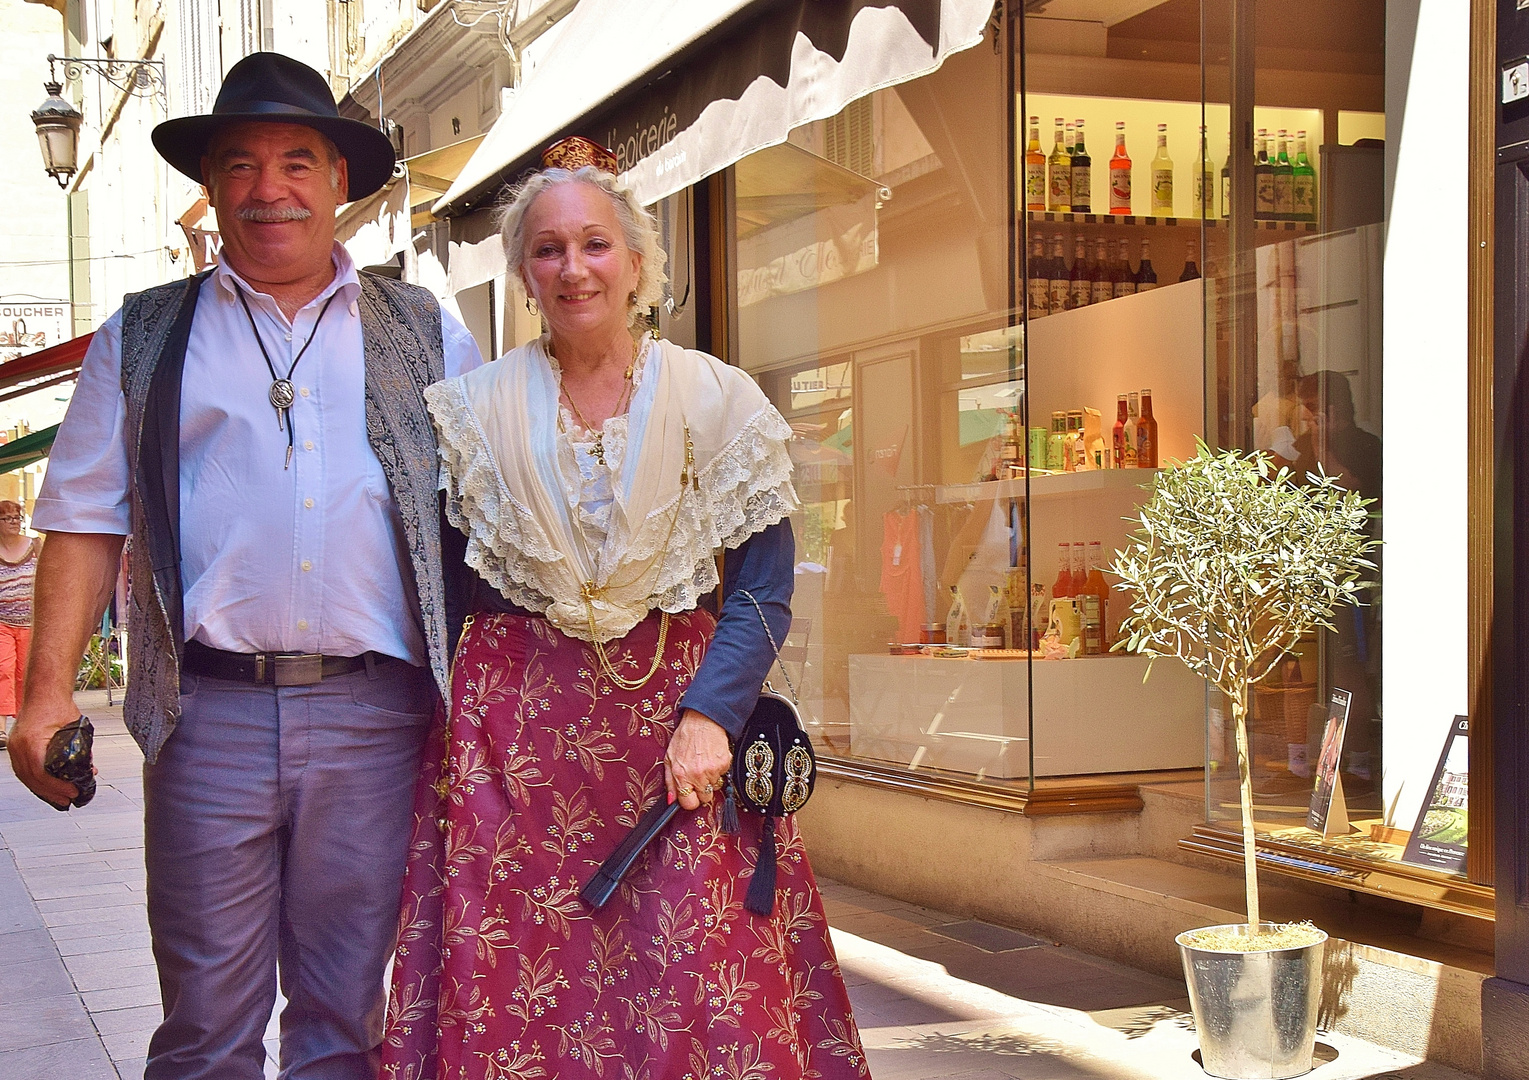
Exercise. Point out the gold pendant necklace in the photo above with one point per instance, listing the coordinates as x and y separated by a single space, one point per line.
621 403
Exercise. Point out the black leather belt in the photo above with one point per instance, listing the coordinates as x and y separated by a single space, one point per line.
272 668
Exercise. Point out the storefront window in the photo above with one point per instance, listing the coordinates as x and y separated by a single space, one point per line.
990 319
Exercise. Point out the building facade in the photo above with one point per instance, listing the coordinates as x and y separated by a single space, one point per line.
996 263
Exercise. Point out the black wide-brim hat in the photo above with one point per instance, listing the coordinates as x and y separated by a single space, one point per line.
267 87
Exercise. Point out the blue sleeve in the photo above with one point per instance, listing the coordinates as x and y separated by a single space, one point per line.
726 688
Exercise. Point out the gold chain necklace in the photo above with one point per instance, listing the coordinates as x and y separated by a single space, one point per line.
621 403
690 482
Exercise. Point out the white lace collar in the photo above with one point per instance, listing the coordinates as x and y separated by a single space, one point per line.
497 432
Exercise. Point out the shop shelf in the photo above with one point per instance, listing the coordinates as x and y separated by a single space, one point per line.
1050 217
1044 485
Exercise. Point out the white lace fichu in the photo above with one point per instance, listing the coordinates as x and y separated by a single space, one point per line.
743 488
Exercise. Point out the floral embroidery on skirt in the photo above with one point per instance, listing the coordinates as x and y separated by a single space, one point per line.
502 973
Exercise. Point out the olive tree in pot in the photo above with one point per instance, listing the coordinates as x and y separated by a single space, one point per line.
1233 563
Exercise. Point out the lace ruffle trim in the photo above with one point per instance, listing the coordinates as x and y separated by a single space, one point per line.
744 489
504 554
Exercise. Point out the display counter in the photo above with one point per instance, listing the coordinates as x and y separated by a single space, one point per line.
1092 714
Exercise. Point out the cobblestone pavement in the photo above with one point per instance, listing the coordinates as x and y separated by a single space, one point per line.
935 996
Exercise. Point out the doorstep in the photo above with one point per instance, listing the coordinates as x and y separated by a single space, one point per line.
1382 982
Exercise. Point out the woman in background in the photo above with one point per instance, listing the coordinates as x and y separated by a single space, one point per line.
18 566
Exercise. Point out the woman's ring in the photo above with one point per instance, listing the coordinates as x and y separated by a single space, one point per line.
686 789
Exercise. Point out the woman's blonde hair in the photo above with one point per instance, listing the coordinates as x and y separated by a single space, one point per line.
638 227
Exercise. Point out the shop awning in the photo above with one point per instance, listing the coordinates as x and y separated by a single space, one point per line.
27 449
46 366
712 81
376 228
432 173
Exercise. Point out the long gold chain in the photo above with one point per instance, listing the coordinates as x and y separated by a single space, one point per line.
689 482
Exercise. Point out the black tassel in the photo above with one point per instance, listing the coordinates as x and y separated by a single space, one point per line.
761 898
729 809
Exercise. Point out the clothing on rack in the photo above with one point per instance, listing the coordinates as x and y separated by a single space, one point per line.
902 579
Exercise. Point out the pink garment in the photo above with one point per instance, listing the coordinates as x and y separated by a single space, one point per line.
902 577
15 641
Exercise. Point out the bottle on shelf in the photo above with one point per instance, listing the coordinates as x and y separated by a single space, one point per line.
1146 434
1079 567
1059 194
1104 281
956 622
1122 281
1120 173
1063 587
1012 456
1038 277
1059 282
1067 139
1133 412
1078 448
1146 277
1304 182
1190 271
1080 288
1035 169
1071 434
1095 634
1038 619
1056 449
1118 445
1205 181
1284 179
1226 185
1162 176
1263 178
1082 173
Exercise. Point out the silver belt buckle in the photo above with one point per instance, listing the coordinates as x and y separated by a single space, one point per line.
300 669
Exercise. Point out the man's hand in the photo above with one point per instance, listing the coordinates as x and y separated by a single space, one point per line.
75 576
29 746
696 760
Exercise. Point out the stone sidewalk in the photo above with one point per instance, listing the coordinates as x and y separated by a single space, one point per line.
936 997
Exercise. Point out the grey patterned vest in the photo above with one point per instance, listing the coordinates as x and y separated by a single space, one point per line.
401 344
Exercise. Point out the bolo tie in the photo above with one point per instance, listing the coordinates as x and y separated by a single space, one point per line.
282 394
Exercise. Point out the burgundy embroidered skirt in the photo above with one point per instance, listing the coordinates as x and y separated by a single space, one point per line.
542 767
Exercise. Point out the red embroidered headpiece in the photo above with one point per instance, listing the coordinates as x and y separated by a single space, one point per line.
575 152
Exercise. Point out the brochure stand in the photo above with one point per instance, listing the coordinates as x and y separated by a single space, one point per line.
1438 836
1329 809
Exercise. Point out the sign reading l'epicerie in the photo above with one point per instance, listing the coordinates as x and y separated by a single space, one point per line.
30 323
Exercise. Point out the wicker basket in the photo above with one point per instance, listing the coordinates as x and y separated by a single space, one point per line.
1286 709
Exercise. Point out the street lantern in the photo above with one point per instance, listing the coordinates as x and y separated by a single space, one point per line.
58 133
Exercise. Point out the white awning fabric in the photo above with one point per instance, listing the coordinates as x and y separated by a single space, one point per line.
683 88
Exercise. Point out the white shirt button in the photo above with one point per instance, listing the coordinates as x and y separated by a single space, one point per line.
287 336
307 565
308 445
302 624
304 391
308 503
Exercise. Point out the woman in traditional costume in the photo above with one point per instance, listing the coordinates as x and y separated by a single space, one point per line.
596 473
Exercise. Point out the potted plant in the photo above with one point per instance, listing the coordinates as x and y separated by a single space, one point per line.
1233 563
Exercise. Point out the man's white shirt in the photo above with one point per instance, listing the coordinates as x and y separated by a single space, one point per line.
310 558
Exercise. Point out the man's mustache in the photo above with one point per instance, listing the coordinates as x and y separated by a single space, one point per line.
271 215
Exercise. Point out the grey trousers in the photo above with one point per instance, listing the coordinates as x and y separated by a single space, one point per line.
275 829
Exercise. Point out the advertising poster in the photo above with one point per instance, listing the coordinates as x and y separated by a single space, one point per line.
1327 793
1438 838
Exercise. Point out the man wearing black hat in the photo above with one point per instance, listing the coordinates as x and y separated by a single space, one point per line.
259 431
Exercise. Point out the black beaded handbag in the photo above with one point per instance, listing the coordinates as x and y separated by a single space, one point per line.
773 773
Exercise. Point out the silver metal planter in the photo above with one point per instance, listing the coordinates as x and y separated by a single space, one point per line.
1255 1012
